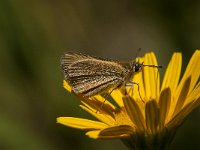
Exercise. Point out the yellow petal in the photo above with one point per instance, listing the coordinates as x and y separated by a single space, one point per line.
99 105
152 116
81 123
95 109
134 112
117 97
107 119
102 99
195 71
102 103
193 95
172 73
182 97
191 70
164 104
156 74
67 86
180 117
95 135
151 77
117 130
112 132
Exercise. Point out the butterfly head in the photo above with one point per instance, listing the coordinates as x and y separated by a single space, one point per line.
136 66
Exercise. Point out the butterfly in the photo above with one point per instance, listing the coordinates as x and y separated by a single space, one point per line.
89 75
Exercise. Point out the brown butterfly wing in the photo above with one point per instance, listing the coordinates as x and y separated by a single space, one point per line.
89 76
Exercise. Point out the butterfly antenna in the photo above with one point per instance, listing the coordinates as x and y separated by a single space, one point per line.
154 66
137 53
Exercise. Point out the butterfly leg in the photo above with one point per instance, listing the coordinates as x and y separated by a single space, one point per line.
106 96
131 83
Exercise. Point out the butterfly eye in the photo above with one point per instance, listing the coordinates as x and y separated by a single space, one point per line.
137 67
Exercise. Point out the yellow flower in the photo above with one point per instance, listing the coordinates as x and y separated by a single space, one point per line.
149 123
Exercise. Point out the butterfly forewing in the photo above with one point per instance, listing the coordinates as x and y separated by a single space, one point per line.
89 76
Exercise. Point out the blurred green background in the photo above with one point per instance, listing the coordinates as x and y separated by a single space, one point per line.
35 33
